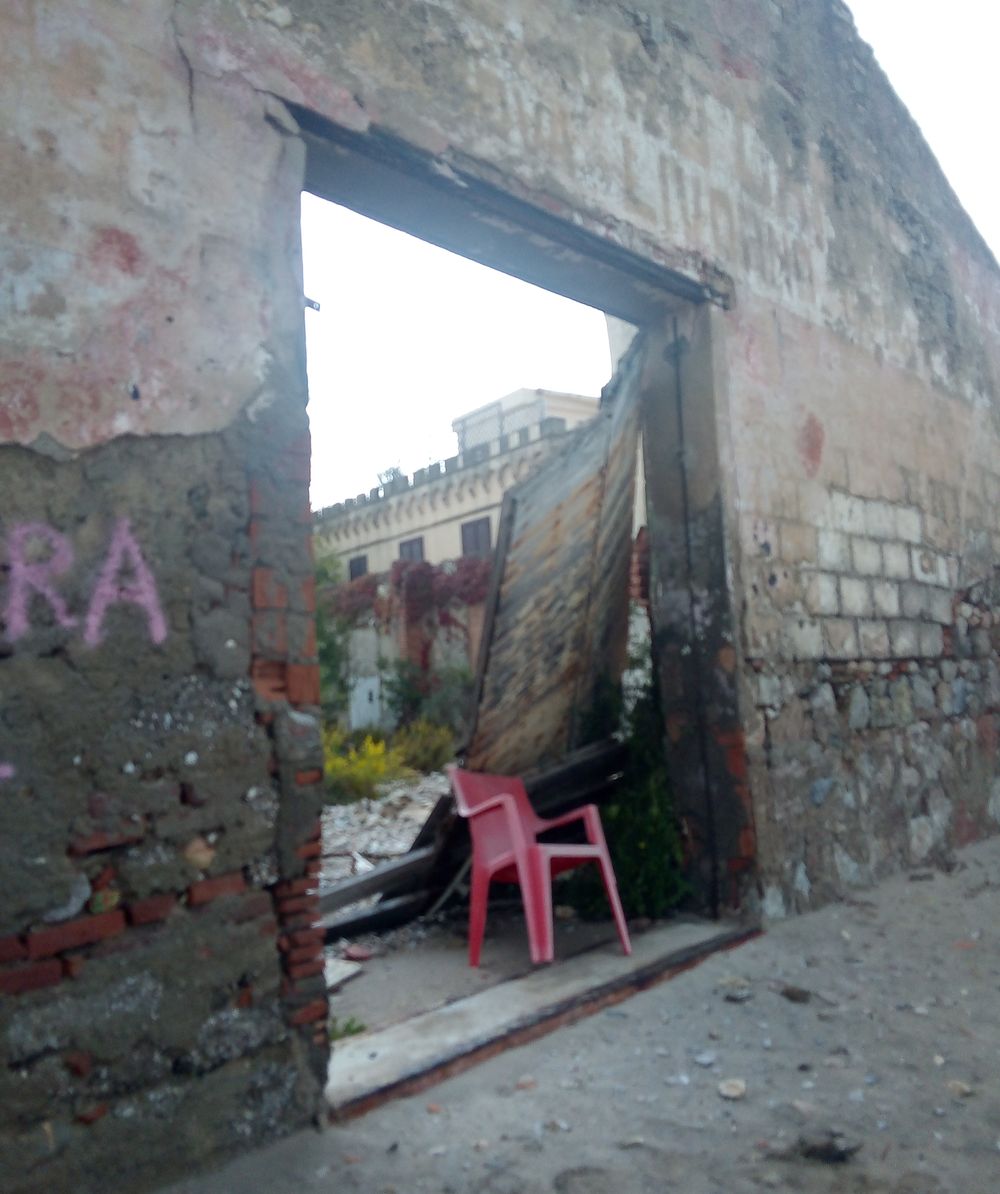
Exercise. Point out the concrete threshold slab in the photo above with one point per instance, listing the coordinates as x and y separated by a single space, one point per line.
407 1057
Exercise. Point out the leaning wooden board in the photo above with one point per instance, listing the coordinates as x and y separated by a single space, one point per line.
557 614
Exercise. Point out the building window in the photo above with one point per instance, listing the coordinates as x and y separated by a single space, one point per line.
476 537
412 549
357 566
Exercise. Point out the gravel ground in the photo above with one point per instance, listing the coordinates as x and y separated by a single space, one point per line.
862 1044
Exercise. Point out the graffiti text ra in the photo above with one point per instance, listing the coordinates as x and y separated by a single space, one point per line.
38 555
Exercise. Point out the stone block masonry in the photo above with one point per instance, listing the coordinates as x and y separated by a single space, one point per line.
885 760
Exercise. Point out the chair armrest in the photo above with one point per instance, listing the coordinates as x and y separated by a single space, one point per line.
506 802
587 813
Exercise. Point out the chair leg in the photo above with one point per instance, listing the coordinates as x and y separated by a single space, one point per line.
611 887
478 896
536 894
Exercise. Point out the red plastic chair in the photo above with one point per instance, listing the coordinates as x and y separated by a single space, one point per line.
505 848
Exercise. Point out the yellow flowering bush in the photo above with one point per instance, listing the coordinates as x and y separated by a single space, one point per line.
353 771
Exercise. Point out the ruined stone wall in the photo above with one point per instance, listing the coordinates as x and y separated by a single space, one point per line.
161 995
157 679
755 145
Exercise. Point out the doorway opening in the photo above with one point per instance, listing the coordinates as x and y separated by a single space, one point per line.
392 184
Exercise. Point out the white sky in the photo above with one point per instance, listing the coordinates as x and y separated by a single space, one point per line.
409 337
941 58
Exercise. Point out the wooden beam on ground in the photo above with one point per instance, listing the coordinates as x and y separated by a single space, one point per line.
385 915
384 879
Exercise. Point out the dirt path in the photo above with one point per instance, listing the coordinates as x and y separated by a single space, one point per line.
877 1021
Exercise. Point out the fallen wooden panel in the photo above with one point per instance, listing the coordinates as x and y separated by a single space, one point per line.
386 914
403 1058
556 621
399 873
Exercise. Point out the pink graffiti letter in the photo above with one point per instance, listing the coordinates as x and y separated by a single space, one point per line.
111 588
7 771
35 576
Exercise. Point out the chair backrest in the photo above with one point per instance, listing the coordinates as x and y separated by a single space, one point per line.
491 830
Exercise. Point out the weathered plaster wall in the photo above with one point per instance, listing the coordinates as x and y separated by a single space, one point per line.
151 366
161 995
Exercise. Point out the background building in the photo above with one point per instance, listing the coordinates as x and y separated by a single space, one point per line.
452 508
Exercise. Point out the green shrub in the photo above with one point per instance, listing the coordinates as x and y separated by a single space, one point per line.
642 831
352 772
424 746
441 695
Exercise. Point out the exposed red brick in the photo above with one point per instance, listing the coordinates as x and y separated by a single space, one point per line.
30 978
308 936
310 850
103 841
317 1010
305 969
93 1114
206 890
244 997
266 592
306 778
79 1063
309 594
299 920
293 887
311 938
43 943
12 949
269 678
303 683
73 967
303 953
288 907
152 909
313 868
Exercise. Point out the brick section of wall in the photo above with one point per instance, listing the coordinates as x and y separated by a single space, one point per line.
285 670
42 957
